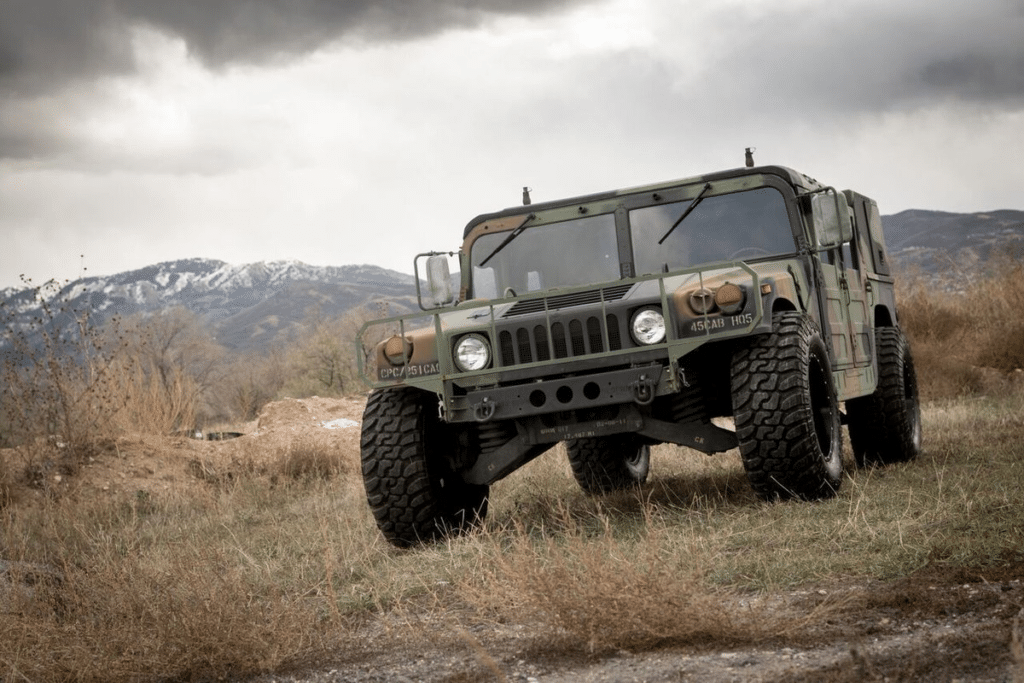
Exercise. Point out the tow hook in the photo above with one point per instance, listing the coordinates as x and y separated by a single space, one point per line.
484 411
643 390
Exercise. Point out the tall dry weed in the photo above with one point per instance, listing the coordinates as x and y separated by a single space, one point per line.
969 339
157 405
70 385
60 393
6 484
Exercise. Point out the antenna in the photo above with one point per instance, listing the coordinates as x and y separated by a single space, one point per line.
750 156
526 196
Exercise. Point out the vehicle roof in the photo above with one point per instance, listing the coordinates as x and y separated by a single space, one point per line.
792 177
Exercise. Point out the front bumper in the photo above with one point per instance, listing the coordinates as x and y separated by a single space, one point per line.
631 385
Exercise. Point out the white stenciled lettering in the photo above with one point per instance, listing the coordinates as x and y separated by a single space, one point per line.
707 325
410 371
742 320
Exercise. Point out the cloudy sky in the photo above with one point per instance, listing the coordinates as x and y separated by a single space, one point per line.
365 131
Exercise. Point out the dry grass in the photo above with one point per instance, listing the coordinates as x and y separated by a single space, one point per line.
259 571
272 560
966 342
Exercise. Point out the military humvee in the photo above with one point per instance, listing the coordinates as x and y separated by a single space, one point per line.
739 309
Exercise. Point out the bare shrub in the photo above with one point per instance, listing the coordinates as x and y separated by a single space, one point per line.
930 314
250 382
62 383
944 375
159 404
323 360
179 364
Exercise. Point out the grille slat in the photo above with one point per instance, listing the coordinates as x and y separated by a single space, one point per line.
525 348
594 335
541 337
572 338
569 336
558 339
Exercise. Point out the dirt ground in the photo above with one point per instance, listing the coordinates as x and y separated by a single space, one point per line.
176 464
934 626
940 624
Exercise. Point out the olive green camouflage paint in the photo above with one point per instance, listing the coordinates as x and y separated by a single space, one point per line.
847 290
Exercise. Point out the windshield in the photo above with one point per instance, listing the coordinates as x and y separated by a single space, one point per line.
739 226
566 254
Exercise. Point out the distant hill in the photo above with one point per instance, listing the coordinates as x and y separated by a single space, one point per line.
936 242
257 305
249 306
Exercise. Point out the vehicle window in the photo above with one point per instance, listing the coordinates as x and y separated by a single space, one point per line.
740 226
565 254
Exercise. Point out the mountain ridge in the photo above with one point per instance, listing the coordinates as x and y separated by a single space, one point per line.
932 241
255 306
248 307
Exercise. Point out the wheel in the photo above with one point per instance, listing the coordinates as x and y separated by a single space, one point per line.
414 494
610 463
885 427
786 412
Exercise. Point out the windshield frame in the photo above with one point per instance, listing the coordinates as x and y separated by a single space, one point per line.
560 266
621 203
730 237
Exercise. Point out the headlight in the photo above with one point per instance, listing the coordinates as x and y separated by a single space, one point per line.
472 353
648 326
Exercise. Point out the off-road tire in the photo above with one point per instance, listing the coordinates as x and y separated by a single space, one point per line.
885 427
413 493
786 412
602 465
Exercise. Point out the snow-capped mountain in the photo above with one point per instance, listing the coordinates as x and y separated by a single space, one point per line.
248 306
255 305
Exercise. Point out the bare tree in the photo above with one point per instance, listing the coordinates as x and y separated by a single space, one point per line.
323 359
179 358
251 381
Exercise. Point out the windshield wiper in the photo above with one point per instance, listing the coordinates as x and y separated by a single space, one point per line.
512 235
691 207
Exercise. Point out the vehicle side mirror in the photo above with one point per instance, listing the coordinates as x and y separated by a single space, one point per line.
831 219
440 291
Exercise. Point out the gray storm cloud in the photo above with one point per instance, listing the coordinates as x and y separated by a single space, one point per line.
849 58
979 76
51 51
46 42
808 59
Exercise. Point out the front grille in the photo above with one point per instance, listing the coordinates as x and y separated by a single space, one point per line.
554 303
569 338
